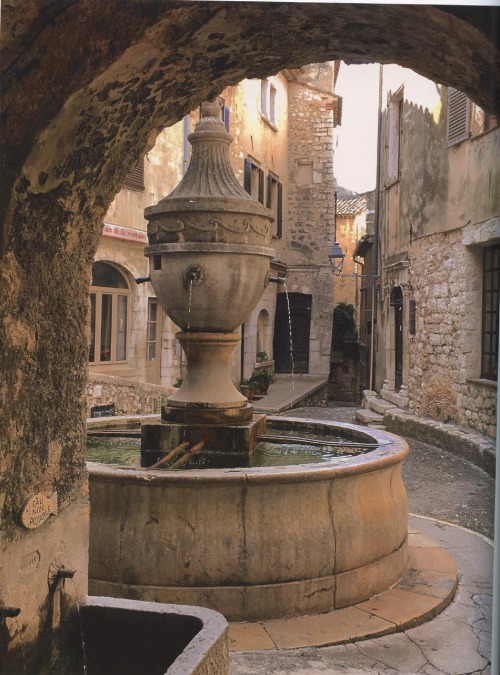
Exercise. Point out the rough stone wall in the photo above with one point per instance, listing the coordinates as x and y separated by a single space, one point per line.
444 367
128 396
311 205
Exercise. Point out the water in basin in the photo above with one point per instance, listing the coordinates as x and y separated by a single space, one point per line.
271 451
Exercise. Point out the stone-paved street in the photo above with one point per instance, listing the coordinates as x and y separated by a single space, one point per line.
439 484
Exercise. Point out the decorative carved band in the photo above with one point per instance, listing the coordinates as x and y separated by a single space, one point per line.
212 225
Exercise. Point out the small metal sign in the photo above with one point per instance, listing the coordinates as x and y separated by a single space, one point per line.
37 509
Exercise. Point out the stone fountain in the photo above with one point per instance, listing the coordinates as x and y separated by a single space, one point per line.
209 265
252 543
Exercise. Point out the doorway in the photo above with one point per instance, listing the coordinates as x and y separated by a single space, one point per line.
397 307
291 334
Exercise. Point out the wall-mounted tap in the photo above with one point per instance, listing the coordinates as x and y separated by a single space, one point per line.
58 572
9 612
277 280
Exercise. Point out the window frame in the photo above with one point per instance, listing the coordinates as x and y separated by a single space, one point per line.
253 179
490 313
96 321
268 110
157 326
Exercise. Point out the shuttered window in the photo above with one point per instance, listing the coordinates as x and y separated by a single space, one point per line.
275 203
135 181
458 123
253 180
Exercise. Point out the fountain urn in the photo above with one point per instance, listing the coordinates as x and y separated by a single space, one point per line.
209 259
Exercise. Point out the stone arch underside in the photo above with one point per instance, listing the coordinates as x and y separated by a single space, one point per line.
86 88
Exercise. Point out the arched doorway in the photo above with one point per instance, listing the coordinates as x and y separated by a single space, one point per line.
397 342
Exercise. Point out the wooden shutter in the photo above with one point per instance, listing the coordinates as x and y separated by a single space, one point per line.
261 186
457 129
279 215
269 191
247 176
135 181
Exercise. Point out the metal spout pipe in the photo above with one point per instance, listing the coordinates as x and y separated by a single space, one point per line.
277 280
66 573
9 612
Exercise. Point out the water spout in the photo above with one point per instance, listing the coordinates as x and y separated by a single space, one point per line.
9 612
58 572
277 280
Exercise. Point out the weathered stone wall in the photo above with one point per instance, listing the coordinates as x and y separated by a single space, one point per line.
128 396
435 218
311 204
444 358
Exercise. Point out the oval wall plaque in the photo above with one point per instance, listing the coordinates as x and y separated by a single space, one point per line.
38 508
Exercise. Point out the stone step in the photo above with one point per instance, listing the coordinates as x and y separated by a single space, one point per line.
369 417
393 397
378 405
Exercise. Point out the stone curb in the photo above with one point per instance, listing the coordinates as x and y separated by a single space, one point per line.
426 588
476 448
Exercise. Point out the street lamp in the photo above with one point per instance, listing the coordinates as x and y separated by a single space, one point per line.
336 256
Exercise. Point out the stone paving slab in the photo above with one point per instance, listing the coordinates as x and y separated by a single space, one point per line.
456 642
427 587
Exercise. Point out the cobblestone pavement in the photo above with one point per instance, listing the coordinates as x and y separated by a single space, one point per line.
456 642
439 484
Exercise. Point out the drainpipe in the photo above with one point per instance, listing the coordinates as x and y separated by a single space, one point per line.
376 224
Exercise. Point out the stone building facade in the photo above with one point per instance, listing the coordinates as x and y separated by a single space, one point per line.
439 253
282 153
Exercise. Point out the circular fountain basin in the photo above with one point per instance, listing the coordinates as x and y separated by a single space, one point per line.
254 543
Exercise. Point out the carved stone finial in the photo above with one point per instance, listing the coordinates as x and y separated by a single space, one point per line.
210 109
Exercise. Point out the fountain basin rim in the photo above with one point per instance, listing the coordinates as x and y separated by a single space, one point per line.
392 451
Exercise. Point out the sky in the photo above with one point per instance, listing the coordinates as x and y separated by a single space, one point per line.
355 148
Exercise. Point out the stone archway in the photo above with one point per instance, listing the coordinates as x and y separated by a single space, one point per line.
85 89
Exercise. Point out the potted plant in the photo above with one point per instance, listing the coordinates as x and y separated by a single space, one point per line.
247 388
261 357
261 381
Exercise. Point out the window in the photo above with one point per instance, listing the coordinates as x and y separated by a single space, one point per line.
465 118
491 287
135 181
275 203
480 120
253 180
268 101
152 330
109 315
395 136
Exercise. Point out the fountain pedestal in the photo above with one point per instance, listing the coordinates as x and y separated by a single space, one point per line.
209 265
